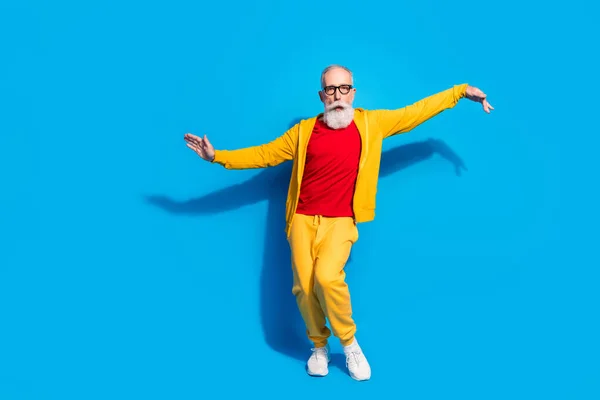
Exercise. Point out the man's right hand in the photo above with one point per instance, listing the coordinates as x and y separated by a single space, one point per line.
201 146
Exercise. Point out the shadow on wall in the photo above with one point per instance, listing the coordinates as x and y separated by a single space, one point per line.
281 322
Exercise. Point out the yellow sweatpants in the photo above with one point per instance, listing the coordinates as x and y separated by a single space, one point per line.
320 247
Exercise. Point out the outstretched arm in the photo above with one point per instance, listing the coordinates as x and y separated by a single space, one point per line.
269 154
402 120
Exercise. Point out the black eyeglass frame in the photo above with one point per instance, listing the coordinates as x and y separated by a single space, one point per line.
339 88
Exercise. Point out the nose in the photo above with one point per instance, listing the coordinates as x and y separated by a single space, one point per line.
337 95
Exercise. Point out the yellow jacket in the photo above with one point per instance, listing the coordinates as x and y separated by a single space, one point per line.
373 125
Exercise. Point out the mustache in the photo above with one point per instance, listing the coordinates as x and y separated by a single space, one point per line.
337 104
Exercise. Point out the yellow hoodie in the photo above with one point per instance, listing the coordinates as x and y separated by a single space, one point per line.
373 125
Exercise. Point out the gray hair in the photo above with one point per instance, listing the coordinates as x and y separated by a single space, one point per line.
334 66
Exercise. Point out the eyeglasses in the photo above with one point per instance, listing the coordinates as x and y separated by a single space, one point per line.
330 90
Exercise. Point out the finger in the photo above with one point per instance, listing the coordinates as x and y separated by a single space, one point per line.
196 141
193 138
193 147
196 149
189 139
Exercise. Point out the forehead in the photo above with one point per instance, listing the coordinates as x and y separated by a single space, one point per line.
337 76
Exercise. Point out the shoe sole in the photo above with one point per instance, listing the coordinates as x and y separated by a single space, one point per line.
317 375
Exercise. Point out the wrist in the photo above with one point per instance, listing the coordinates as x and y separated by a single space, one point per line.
465 89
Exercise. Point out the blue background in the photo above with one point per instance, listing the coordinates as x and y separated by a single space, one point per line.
130 268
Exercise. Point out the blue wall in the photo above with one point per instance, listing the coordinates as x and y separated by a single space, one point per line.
130 268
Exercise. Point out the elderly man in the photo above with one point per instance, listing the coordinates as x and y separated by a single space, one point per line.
336 157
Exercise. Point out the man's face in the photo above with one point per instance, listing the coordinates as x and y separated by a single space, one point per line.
337 87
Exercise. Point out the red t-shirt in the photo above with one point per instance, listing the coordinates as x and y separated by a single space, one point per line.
330 171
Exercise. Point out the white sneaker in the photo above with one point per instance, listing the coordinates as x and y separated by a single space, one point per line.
318 363
357 363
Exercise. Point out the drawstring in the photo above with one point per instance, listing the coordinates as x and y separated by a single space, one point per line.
316 220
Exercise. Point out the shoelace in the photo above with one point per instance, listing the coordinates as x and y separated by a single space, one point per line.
352 358
319 351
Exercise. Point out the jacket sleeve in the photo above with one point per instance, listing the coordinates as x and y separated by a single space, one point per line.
269 154
402 120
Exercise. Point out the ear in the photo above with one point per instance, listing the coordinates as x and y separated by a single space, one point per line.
322 96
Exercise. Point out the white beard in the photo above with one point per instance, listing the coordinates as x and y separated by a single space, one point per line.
337 119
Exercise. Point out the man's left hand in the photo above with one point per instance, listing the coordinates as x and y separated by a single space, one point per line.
477 95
